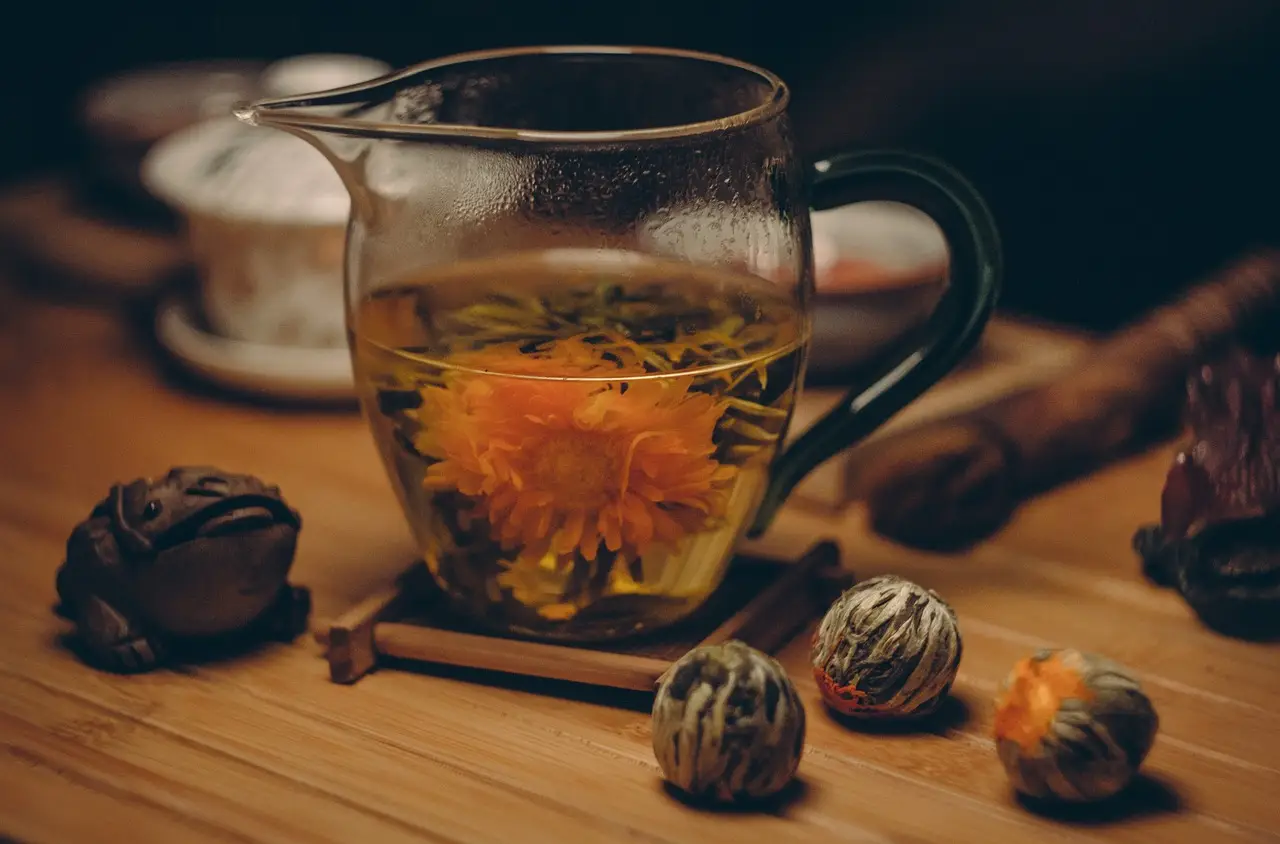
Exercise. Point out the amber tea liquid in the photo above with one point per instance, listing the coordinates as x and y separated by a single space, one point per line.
578 438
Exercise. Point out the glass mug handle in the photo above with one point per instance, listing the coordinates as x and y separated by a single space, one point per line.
953 329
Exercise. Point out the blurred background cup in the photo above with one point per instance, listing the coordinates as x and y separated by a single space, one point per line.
879 268
121 117
264 214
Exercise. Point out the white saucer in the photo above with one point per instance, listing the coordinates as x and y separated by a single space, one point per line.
286 372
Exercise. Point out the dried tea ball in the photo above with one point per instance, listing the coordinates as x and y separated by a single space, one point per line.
727 724
887 647
1072 726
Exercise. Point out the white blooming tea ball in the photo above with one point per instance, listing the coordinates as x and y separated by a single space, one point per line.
887 648
1072 726
727 724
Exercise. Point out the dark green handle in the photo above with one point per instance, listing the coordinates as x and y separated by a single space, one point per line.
953 329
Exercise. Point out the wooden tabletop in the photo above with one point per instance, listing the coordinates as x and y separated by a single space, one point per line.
265 748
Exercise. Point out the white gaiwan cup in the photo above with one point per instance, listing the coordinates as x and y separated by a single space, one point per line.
265 215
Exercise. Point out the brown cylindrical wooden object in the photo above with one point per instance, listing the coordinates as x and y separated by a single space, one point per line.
949 484
558 662
774 616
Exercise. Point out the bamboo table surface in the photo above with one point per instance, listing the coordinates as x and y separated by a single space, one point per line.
265 748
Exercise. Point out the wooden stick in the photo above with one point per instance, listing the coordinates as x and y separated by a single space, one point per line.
946 485
511 656
349 639
775 614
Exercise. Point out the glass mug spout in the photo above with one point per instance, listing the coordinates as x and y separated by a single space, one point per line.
579 289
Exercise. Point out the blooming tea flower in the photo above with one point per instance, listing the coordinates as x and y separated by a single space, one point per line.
561 455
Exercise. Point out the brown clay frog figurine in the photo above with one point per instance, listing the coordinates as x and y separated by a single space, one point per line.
1218 541
195 558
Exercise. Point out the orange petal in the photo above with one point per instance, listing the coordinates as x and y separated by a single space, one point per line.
470 484
649 491
505 499
611 529
570 533
665 528
590 544
541 525
637 521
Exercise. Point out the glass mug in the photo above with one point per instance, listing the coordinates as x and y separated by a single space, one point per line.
579 288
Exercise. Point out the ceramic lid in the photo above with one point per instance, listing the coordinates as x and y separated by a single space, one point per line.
226 168
896 237
318 72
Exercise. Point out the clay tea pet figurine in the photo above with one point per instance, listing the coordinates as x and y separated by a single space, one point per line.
1218 541
197 557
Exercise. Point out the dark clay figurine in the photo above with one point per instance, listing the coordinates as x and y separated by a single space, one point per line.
197 557
1218 541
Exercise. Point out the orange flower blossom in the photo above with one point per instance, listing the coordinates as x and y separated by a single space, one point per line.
556 464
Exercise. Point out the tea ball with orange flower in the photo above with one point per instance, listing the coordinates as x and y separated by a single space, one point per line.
887 648
1072 726
728 724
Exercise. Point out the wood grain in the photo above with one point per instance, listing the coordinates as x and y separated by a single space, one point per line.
265 748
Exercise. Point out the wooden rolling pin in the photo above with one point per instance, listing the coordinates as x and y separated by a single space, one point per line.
947 485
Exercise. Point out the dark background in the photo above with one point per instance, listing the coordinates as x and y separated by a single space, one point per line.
1126 148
